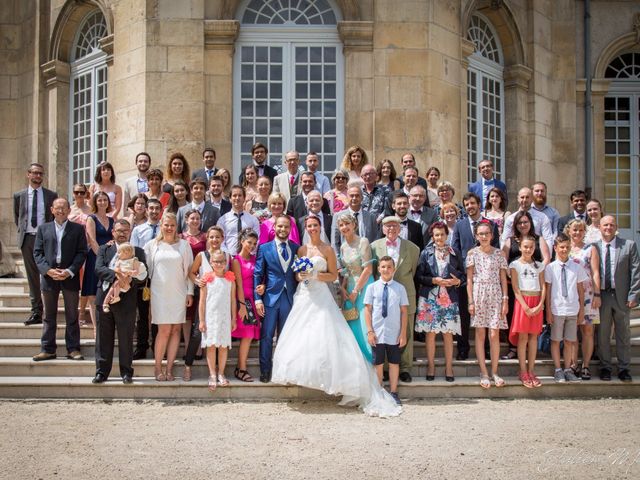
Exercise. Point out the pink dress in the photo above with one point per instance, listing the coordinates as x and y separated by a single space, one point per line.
487 292
268 232
246 270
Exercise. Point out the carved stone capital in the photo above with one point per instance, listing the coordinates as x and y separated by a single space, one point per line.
467 47
356 35
220 34
518 76
55 72
106 44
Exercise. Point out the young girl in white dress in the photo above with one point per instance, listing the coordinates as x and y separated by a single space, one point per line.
217 310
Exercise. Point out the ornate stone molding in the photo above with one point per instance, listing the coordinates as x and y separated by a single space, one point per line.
467 48
54 72
220 34
106 44
356 35
599 86
636 26
517 76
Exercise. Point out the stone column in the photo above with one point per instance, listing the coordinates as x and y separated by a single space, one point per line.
357 38
219 39
518 164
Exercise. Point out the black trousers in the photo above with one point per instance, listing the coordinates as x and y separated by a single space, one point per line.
50 321
33 275
121 317
193 342
462 340
142 323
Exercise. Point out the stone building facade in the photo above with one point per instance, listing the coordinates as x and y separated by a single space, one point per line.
452 81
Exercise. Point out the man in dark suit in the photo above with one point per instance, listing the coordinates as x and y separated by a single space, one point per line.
259 153
486 182
578 199
367 225
620 292
409 229
121 315
209 214
420 212
214 195
463 239
209 170
32 208
60 250
297 206
408 160
315 203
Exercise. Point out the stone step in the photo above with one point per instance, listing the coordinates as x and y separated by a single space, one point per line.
147 388
27 347
21 331
14 285
61 367
20 314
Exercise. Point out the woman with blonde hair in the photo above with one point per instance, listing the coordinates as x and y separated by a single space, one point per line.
169 260
353 161
276 205
337 196
226 182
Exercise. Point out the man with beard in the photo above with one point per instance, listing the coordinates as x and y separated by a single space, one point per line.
420 212
409 229
298 205
539 190
541 223
138 184
209 161
578 199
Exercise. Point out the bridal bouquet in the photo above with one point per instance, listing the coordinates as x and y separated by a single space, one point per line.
302 264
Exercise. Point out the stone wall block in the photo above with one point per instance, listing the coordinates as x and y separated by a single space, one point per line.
411 11
179 32
185 59
172 9
444 41
407 62
381 93
405 92
175 87
400 35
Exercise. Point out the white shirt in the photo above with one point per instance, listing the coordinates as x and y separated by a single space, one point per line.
143 234
528 275
359 218
283 263
612 261
404 229
561 305
59 234
198 206
229 224
387 329
541 226
39 208
322 183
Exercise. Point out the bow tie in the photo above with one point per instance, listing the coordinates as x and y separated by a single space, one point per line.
392 243
416 212
404 222
488 182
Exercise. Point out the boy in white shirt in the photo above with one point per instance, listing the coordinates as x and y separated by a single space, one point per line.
564 305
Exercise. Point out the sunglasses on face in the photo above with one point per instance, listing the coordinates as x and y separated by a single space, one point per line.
79 193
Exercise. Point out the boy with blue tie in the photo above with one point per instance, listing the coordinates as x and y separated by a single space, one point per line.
386 305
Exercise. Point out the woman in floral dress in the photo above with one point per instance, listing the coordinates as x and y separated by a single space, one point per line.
440 273
488 299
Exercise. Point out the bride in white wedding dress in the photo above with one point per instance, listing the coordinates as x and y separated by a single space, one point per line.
316 348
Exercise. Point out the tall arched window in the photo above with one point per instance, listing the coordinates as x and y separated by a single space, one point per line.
288 79
622 143
485 99
88 116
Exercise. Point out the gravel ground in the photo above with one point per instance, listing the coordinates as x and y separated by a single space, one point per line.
463 439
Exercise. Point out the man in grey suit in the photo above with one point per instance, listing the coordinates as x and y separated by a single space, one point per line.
138 184
620 292
367 225
209 214
32 208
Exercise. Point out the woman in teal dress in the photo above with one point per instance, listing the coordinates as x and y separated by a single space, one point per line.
356 276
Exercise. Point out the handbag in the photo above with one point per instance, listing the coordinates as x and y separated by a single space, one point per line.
250 319
146 294
349 311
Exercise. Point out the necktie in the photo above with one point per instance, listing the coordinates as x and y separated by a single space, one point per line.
291 180
356 215
209 172
385 300
34 210
283 251
563 278
239 215
473 226
580 216
154 230
607 268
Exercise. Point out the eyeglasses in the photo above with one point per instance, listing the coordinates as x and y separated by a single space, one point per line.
340 178
79 193
219 262
36 173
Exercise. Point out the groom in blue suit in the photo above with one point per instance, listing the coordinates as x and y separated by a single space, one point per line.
274 283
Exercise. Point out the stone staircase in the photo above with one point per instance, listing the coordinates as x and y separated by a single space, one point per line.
20 377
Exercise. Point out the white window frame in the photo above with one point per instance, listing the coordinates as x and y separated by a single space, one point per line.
288 37
486 68
88 65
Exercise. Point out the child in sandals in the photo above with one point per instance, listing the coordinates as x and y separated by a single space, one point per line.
217 311
488 300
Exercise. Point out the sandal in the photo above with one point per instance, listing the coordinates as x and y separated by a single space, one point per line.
585 373
242 375
170 377
511 355
161 377
222 380
212 383
485 382
535 381
499 382
186 375
526 379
